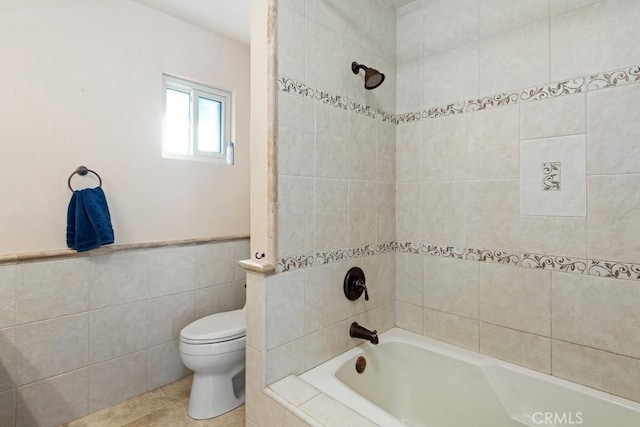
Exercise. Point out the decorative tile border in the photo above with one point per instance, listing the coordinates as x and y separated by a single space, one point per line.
609 269
617 270
554 263
592 82
498 257
297 262
296 87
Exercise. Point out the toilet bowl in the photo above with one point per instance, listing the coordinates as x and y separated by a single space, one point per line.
213 347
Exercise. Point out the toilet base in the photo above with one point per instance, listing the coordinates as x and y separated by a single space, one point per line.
213 395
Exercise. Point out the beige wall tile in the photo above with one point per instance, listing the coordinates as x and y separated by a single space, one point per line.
443 213
117 380
493 215
562 6
216 299
379 271
386 157
215 264
518 298
386 212
408 215
381 319
514 59
332 14
8 359
409 317
451 75
164 365
52 289
168 315
294 390
285 308
597 312
450 285
295 132
492 143
410 76
408 143
587 40
409 278
284 360
451 329
614 215
8 279
326 53
7 408
290 39
410 27
521 348
173 270
497 16
362 55
613 128
51 347
53 401
332 141
362 147
362 213
295 215
331 214
562 236
118 279
256 310
565 115
443 148
116 331
242 252
448 24
325 303
325 344
604 371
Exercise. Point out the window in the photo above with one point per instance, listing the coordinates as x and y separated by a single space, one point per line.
197 121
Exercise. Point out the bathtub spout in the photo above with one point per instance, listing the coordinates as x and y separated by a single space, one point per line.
357 331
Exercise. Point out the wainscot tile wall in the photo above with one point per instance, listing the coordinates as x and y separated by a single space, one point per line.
84 333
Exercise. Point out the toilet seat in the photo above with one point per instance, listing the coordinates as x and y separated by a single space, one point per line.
215 328
213 349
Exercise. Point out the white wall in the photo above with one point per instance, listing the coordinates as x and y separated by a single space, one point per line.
82 85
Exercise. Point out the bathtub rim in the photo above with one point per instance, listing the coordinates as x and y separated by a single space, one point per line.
323 377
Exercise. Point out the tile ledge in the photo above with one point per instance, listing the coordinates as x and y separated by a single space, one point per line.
257 266
105 250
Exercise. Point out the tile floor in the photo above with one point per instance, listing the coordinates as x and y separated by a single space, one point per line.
164 406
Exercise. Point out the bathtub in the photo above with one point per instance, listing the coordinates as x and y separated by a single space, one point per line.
411 380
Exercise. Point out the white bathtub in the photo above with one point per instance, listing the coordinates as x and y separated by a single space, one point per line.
416 381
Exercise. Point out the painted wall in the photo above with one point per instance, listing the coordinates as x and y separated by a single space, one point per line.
82 85
517 201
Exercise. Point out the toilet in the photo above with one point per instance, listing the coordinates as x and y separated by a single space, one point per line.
213 347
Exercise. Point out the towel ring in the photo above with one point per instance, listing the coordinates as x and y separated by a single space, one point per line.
82 171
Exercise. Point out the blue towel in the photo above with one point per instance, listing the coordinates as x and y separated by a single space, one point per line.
88 220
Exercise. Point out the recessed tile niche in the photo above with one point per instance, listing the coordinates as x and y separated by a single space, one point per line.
553 176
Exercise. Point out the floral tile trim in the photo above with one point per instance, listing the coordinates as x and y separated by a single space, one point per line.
614 78
617 270
500 100
567 87
408 118
442 251
555 263
298 262
295 262
444 111
551 176
408 247
295 87
498 257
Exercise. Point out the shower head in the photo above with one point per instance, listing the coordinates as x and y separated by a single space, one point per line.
372 77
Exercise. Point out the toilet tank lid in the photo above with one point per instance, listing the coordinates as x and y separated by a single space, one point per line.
217 327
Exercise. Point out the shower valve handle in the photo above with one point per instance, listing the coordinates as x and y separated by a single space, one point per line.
360 286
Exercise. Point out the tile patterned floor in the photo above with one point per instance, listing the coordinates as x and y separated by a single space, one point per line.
162 407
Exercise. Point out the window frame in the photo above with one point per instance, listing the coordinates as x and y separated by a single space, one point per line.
197 91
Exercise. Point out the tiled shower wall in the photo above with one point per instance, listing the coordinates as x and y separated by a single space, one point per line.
518 183
336 173
81 334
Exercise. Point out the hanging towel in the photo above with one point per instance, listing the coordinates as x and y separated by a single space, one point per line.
88 220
